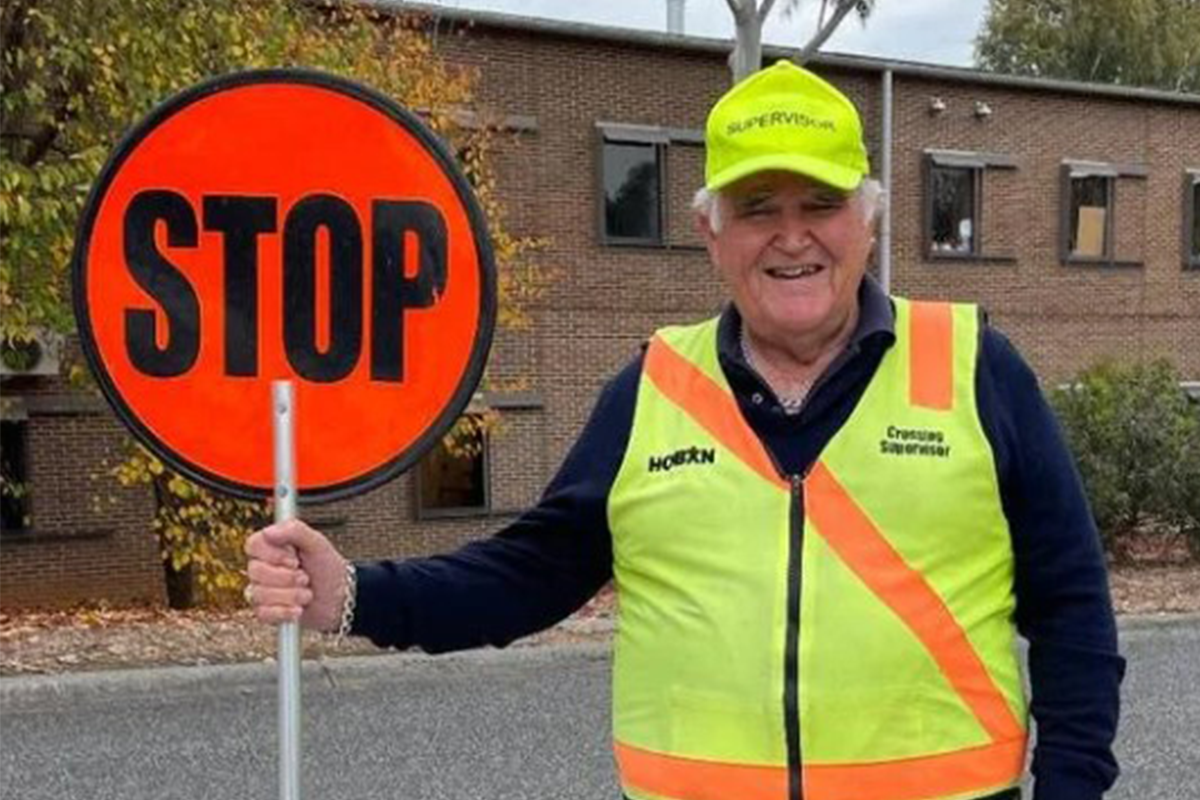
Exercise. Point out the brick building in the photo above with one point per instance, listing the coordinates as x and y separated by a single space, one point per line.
1070 211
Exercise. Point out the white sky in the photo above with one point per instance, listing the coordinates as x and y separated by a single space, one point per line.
932 31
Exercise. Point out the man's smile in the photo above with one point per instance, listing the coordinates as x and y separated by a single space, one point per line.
793 272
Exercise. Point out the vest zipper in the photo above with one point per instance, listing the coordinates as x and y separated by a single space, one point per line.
791 667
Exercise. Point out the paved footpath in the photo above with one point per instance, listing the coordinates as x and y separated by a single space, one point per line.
527 722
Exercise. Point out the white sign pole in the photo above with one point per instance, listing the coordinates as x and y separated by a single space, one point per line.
283 415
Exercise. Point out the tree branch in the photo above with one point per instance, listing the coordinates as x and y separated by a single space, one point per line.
15 30
76 83
40 144
765 9
31 138
13 24
737 8
844 7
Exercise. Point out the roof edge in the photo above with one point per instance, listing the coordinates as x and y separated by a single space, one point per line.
705 44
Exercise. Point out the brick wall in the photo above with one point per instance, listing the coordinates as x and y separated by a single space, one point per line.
607 299
1062 317
90 539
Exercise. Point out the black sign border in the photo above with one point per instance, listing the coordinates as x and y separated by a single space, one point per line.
467 384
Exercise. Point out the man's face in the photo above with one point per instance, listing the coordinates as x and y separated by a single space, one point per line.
793 252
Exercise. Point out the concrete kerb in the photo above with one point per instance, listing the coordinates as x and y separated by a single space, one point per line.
332 674
1143 621
42 691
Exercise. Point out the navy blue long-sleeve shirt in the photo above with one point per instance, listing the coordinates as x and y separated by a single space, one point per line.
553 558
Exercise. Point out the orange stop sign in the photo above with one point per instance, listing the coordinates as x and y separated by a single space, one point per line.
274 225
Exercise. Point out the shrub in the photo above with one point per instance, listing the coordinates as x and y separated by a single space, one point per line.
1188 501
1136 438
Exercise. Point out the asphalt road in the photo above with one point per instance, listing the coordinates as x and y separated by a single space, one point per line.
529 723
1158 744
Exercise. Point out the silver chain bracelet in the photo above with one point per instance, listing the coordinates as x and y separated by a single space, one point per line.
348 604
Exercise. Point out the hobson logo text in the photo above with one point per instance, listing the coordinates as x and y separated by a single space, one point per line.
690 455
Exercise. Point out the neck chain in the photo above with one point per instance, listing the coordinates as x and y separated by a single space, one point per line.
791 401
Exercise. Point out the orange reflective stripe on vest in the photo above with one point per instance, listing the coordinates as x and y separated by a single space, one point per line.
908 779
931 357
867 553
673 776
713 408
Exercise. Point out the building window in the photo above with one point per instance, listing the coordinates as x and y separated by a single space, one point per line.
647 175
633 192
954 210
954 205
453 479
1191 221
1101 208
14 475
1090 217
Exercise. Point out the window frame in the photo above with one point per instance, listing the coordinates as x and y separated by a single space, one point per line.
460 512
976 174
28 409
979 164
659 149
662 140
1089 169
16 416
1191 180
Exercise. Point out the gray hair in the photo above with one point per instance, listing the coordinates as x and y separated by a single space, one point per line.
869 196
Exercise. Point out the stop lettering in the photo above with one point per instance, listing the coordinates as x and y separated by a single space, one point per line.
284 225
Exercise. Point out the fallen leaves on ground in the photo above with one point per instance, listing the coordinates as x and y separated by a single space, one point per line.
99 638
1156 590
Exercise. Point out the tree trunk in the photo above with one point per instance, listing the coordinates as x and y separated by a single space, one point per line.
180 583
181 586
746 58
748 19
825 30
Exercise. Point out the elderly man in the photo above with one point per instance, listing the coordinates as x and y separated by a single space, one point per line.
827 513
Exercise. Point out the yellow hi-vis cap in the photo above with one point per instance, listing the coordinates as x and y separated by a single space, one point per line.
784 118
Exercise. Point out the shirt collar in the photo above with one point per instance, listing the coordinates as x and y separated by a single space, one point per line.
876 320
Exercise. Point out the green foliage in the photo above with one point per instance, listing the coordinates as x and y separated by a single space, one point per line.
76 74
199 531
1129 42
1136 437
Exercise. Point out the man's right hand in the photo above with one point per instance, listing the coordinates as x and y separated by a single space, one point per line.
295 574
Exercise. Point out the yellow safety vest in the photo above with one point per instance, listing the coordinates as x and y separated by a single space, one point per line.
842 635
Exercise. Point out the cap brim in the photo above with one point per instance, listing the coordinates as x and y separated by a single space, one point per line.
834 175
